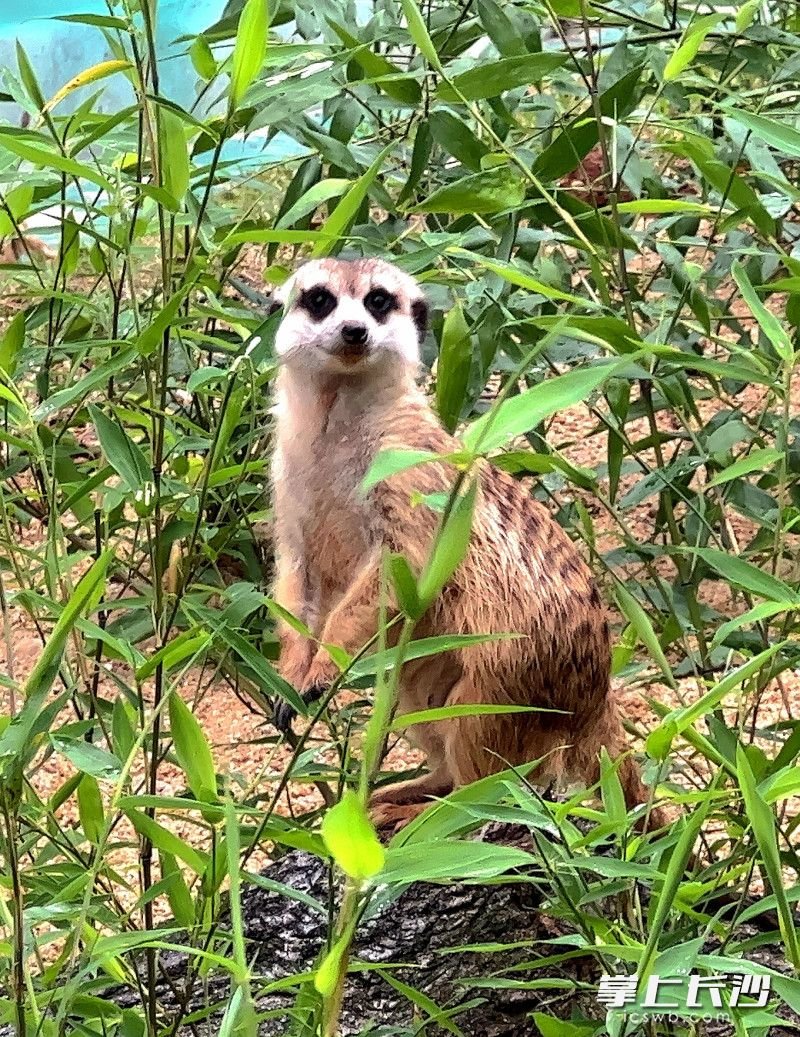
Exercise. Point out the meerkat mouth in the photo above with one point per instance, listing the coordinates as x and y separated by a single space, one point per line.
351 353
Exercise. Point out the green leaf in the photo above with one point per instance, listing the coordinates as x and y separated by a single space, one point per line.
11 343
250 48
519 277
757 614
659 206
90 808
44 158
611 791
259 670
674 723
350 838
755 461
186 645
86 594
327 975
743 574
768 322
28 77
782 785
451 860
640 621
100 21
419 33
202 58
579 137
315 196
154 333
762 823
746 14
725 180
389 462
17 203
175 169
495 190
123 737
123 454
453 367
457 139
167 842
688 828
489 79
520 414
192 750
780 135
369 665
433 716
404 584
450 547
88 758
501 30
377 67
335 226
178 895
687 49
83 386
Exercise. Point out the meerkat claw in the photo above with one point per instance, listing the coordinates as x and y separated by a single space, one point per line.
283 713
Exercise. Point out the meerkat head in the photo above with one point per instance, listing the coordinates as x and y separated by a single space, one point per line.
347 316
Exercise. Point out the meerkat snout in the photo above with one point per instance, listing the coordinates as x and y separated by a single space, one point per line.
343 316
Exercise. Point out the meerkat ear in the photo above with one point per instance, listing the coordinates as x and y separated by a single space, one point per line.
280 296
419 314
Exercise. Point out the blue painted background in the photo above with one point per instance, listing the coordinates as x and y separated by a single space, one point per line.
59 50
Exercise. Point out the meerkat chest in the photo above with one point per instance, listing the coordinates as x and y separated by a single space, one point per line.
323 487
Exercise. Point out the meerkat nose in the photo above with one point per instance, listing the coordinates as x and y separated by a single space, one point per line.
354 334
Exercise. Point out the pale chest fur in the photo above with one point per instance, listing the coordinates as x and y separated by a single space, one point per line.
323 451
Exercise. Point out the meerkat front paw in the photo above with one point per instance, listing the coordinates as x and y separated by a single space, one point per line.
295 658
322 672
283 712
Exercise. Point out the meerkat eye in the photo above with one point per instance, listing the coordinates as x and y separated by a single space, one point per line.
318 302
379 303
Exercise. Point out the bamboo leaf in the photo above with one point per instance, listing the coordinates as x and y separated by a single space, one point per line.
192 750
345 212
419 33
762 823
491 78
449 548
755 461
520 414
453 367
640 622
122 453
250 48
350 838
88 75
687 49
175 168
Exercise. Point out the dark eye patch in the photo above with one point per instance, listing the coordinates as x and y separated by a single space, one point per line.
317 302
380 303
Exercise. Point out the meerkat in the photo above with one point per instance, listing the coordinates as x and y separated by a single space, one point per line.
348 346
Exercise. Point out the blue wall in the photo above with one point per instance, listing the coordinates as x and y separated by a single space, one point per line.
59 50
